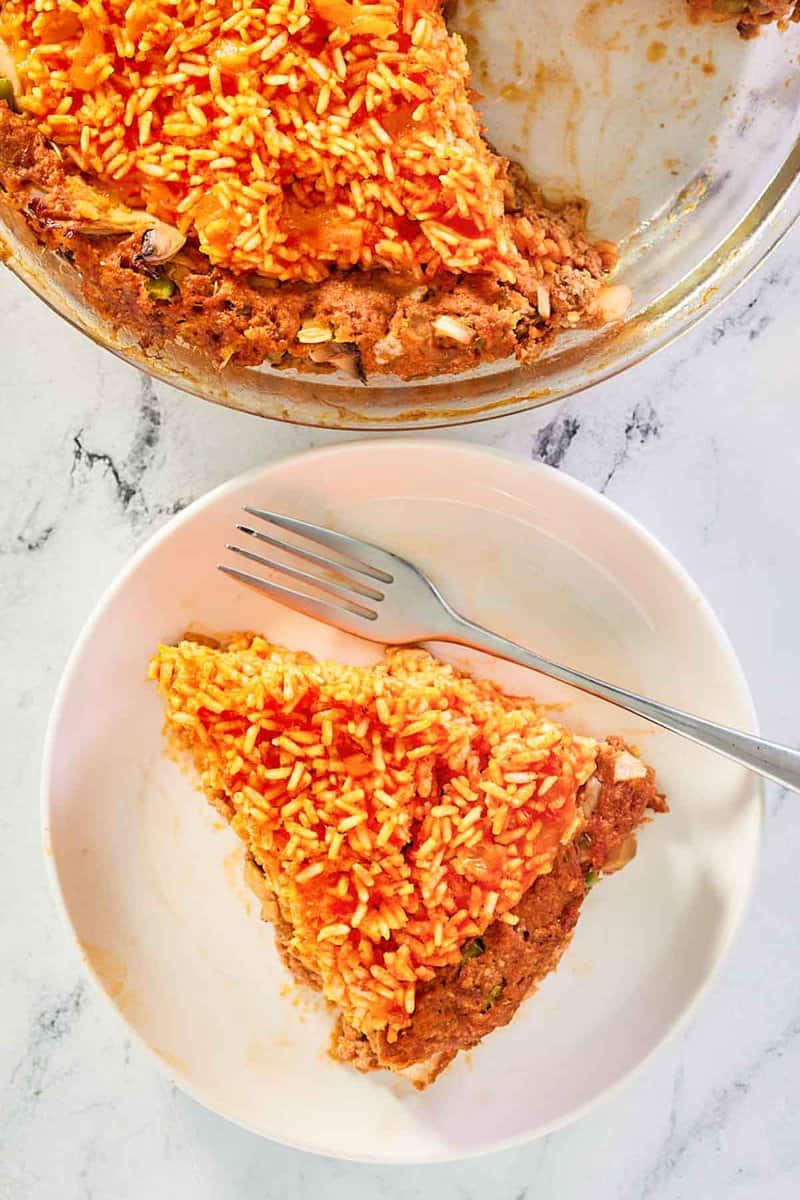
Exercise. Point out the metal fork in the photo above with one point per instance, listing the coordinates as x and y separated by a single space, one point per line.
377 595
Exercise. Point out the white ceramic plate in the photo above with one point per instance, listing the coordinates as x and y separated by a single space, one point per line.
151 881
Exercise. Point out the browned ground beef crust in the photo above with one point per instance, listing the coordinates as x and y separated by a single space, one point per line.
750 14
383 323
466 1002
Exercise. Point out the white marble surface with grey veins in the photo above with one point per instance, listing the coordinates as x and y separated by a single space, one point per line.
703 445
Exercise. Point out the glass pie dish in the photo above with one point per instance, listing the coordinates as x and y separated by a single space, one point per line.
682 138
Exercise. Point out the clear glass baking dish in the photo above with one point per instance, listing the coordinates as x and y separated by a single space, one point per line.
684 140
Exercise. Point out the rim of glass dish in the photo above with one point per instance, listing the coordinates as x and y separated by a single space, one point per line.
677 310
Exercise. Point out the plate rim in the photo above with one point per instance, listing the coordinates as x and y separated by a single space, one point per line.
48 787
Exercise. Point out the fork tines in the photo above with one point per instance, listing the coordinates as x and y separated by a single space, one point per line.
344 577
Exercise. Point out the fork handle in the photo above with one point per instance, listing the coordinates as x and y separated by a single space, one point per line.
779 763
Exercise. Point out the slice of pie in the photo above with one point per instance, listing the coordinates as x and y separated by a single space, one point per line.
421 842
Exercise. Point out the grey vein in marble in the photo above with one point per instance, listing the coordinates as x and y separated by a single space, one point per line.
552 442
642 426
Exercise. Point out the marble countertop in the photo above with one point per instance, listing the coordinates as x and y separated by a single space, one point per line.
703 445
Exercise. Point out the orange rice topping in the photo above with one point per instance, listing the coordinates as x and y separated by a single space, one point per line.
289 137
396 810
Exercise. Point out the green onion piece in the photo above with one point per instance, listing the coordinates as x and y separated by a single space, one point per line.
6 91
473 949
492 996
161 288
591 878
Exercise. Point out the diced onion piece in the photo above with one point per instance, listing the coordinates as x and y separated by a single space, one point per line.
613 302
623 854
388 348
543 302
627 767
314 334
589 795
457 331
8 68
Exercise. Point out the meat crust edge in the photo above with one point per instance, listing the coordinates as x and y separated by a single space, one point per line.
379 323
